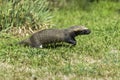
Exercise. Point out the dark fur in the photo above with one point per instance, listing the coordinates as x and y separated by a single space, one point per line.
49 36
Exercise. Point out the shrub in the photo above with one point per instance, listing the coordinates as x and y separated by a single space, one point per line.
24 13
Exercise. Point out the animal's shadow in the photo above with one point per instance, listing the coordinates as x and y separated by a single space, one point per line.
53 46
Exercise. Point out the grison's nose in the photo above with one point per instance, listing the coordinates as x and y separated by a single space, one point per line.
87 31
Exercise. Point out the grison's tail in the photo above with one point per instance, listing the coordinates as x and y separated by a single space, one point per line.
25 42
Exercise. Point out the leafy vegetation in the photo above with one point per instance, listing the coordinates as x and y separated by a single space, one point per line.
96 56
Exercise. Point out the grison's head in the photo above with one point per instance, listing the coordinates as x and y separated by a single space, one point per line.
80 30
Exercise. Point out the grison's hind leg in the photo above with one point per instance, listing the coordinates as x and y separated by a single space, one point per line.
37 46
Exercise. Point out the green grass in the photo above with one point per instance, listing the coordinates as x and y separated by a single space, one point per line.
96 56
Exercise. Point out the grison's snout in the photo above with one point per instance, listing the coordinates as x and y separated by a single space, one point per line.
86 31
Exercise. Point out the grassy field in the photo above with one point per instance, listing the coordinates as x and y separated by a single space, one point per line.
95 57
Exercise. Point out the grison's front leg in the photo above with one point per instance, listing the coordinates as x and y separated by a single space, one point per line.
71 41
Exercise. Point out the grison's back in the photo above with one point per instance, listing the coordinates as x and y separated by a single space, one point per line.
48 36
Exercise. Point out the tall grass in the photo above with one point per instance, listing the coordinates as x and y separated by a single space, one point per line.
19 13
